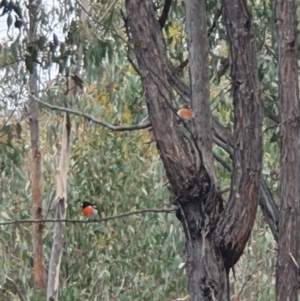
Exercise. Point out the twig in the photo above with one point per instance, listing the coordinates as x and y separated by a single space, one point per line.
76 221
121 287
220 160
10 63
226 189
294 260
21 296
216 18
271 116
95 120
49 205
8 119
181 66
103 16
107 11
129 50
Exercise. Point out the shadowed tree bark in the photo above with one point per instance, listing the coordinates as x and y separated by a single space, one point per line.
215 239
288 242
237 221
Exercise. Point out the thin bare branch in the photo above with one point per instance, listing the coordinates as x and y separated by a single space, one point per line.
95 120
107 11
214 24
102 18
76 221
11 63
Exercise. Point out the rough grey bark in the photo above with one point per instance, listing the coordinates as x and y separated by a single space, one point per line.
36 179
288 242
199 205
199 81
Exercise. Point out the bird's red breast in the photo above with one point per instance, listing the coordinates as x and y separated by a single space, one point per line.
88 209
185 113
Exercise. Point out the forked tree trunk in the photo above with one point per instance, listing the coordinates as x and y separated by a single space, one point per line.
37 242
288 242
215 239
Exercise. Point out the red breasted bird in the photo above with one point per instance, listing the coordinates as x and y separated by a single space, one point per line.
88 209
185 114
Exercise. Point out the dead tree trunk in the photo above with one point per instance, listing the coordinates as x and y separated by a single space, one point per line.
37 240
215 239
288 242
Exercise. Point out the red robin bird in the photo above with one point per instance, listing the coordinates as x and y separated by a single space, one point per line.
88 209
185 114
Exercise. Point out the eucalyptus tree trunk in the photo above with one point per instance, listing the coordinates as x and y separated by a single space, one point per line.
215 237
37 235
288 242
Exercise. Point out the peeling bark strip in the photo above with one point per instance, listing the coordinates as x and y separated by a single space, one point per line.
61 180
37 233
288 242
61 206
237 222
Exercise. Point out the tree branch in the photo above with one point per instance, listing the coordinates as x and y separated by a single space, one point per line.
216 18
75 221
271 116
11 63
165 13
95 120
106 12
222 162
